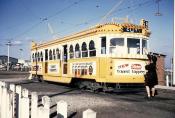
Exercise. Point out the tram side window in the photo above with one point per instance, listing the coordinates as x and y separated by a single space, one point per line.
144 46
133 46
103 45
54 56
116 44
41 56
77 51
50 55
92 50
33 57
38 56
71 52
46 54
58 53
84 50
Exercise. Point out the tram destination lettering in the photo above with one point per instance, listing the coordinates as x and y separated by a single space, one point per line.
134 30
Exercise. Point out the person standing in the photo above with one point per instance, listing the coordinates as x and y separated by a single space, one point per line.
151 76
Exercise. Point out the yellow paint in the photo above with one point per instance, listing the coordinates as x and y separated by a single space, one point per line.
104 65
107 28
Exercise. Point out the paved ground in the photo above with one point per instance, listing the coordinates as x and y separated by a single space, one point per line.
107 105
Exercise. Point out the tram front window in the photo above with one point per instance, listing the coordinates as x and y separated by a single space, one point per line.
116 44
133 46
144 46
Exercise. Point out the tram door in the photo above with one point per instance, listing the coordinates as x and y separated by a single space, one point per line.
64 67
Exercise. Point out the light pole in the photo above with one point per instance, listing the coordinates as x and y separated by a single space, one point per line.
21 52
174 50
8 53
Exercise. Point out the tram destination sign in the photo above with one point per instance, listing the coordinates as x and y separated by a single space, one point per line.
134 30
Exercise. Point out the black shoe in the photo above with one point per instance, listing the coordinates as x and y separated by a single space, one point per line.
148 98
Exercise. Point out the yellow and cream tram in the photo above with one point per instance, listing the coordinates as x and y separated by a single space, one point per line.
105 55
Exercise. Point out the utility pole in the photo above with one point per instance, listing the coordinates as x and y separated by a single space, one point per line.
8 53
21 50
174 51
158 11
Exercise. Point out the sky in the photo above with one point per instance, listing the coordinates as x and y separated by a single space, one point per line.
23 21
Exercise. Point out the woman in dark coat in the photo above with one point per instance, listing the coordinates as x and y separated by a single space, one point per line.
151 76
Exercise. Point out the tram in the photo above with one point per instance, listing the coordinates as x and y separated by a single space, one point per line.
106 55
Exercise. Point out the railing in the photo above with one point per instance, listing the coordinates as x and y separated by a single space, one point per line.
18 102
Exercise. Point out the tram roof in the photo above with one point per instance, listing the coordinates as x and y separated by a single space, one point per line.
111 27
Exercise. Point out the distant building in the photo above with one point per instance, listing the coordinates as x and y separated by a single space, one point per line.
4 59
160 68
24 63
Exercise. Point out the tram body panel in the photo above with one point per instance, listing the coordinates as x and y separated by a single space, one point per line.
119 55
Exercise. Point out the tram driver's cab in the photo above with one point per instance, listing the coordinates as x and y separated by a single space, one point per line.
127 46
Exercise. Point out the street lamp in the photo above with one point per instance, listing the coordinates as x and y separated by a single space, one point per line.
8 53
21 52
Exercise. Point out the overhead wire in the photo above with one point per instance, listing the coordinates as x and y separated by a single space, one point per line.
134 6
47 18
79 24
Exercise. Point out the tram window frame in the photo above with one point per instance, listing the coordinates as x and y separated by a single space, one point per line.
46 54
133 45
33 57
38 57
114 42
92 49
77 51
144 46
71 52
58 53
54 55
103 45
50 54
84 50
41 56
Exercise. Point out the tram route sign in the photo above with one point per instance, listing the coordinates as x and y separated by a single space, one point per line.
134 30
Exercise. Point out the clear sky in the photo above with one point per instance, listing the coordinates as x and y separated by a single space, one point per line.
22 21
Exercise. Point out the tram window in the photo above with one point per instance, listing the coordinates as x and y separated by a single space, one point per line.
38 56
46 54
77 51
103 45
65 53
144 46
54 56
92 50
41 56
71 52
133 46
114 43
84 50
33 57
50 55
58 53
